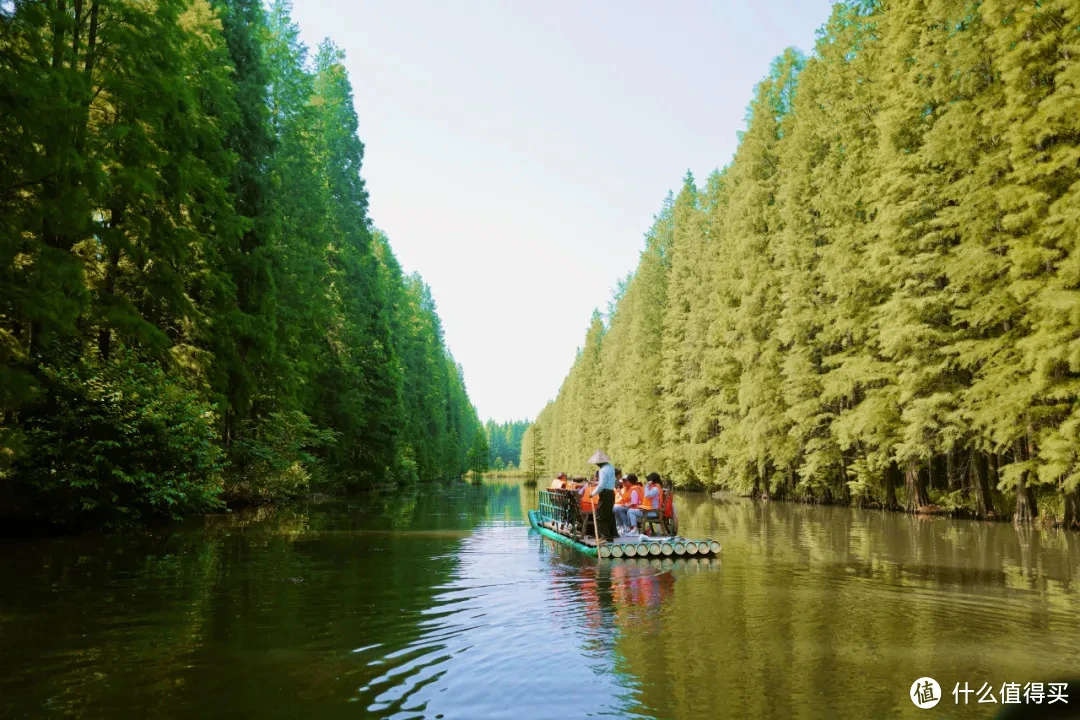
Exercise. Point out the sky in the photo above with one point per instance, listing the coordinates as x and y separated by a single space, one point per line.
517 151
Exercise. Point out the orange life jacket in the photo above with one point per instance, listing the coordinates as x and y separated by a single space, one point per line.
588 503
622 496
647 503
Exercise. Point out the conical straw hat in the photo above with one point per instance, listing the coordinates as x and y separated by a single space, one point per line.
599 457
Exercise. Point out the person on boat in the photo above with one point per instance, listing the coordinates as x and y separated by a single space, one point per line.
652 503
604 492
621 494
559 483
587 502
622 497
628 514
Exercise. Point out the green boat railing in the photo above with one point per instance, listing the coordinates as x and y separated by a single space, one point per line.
559 507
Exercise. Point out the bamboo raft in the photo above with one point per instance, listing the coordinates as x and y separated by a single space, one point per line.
560 519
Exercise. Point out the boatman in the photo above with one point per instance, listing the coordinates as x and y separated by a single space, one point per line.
605 510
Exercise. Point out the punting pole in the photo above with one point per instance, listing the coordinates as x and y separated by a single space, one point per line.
595 531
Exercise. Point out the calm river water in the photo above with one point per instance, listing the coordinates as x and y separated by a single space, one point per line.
441 603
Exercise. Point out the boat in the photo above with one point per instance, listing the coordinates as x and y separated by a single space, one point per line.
560 518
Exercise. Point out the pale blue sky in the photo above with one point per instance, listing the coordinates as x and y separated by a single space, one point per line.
516 152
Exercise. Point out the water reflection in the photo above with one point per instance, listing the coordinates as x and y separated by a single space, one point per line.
440 603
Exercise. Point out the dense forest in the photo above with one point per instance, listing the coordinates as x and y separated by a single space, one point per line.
504 443
877 302
195 307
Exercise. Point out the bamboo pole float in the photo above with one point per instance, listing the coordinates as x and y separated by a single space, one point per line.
654 548
630 550
680 547
666 548
616 551
691 547
603 551
715 547
643 549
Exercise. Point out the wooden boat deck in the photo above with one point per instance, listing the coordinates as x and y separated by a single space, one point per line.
621 540
624 540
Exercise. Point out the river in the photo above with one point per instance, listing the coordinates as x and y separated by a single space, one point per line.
441 603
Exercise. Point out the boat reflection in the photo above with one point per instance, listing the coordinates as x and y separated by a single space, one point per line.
616 593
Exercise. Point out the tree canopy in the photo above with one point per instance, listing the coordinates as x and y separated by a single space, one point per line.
194 303
876 301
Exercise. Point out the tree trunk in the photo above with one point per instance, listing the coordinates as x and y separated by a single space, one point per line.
58 35
75 33
1025 501
938 473
966 476
1071 517
112 270
88 71
981 486
915 482
781 492
51 187
845 491
951 471
892 479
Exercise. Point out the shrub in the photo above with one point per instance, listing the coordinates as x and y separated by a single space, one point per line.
109 443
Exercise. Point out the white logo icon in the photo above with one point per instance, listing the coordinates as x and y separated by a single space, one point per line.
925 693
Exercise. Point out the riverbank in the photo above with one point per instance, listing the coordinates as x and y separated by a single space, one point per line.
953 504
28 526
520 474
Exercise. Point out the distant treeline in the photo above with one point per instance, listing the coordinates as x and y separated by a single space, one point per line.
878 300
504 443
194 305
